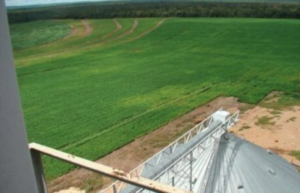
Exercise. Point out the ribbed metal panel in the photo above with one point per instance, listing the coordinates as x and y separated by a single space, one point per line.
222 163
240 166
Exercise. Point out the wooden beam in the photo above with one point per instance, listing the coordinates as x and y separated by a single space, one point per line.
106 170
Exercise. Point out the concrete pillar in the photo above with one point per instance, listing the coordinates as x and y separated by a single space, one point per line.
16 170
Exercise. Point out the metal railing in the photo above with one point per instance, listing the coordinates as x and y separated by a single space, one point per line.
37 149
153 161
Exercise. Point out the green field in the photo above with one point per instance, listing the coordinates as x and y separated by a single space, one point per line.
91 94
37 33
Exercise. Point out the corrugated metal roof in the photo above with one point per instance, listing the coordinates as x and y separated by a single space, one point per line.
234 165
214 162
242 167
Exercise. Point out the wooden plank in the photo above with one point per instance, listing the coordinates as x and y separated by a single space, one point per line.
107 171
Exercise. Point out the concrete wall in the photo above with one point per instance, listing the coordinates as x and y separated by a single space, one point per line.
16 170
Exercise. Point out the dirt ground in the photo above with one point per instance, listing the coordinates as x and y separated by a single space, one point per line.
280 134
72 190
274 130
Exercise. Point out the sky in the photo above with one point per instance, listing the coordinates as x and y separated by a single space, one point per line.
37 2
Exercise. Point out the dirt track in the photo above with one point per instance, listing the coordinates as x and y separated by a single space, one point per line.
88 28
73 32
134 26
118 27
88 31
145 33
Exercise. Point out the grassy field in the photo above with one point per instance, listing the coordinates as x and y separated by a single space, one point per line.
91 94
37 33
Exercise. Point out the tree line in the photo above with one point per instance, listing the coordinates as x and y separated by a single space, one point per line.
157 9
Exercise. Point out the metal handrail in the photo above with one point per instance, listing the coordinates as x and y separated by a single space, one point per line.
37 150
172 147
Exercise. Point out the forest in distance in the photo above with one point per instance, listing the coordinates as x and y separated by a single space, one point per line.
157 9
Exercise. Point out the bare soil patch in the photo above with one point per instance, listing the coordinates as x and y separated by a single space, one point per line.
279 134
72 190
118 25
88 28
74 31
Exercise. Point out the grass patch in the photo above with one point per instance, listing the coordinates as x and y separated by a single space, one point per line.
292 119
246 107
290 99
94 182
296 154
244 127
285 100
37 33
264 121
276 112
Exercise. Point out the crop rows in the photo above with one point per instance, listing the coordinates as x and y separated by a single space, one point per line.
37 33
100 92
